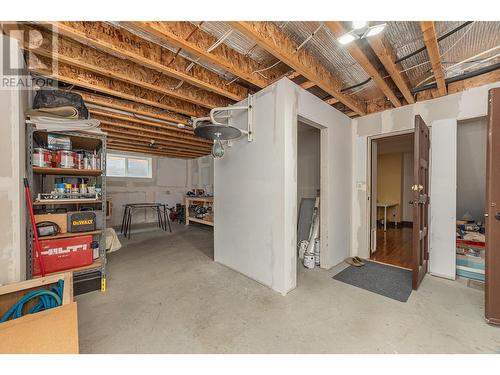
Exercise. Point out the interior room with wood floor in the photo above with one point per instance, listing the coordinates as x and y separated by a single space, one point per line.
392 221
250 187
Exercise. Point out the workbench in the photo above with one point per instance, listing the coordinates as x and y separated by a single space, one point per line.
204 201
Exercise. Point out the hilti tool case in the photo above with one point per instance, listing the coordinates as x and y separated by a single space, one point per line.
65 253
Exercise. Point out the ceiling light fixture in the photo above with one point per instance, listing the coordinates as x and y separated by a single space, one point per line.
217 148
211 128
361 30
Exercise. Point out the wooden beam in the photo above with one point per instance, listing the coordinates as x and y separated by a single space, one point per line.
123 44
131 137
133 107
154 124
148 151
192 39
385 53
307 85
93 81
148 146
459 86
76 54
331 101
293 75
150 132
432 46
357 53
273 40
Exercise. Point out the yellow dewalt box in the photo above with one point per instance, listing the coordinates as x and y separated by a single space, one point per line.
81 221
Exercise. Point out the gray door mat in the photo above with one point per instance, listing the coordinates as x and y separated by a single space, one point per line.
379 278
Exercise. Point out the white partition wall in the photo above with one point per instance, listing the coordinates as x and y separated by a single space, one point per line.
443 198
255 188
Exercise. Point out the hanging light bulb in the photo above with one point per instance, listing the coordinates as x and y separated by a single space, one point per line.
217 148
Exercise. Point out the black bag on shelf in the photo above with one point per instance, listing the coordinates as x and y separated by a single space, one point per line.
48 98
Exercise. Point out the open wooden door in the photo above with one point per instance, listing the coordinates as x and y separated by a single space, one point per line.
373 197
492 214
420 248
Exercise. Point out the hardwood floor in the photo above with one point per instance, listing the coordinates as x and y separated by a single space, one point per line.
394 247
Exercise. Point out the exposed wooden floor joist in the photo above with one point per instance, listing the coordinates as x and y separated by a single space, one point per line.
192 39
357 53
133 107
432 46
126 45
79 55
385 53
103 84
274 41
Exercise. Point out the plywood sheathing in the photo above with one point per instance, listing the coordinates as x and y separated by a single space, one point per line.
126 45
273 40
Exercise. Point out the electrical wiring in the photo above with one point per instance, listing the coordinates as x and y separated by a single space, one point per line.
48 299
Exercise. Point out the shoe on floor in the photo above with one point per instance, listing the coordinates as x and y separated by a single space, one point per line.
359 260
353 262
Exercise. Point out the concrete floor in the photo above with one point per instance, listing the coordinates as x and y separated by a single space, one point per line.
166 295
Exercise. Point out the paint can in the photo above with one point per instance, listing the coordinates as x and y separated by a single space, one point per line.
65 159
79 155
316 251
309 261
93 161
42 157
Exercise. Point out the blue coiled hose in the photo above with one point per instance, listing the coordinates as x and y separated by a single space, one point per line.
47 300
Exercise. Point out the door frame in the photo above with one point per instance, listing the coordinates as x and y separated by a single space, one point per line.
368 201
324 187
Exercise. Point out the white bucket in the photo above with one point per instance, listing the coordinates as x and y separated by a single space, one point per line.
308 261
316 251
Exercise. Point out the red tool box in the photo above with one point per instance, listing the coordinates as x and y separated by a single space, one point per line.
65 253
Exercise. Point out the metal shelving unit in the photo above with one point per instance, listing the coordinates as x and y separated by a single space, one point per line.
98 267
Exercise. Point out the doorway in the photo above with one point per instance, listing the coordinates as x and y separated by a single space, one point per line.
391 219
308 195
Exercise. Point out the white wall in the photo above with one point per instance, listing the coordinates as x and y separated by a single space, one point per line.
171 179
255 187
471 168
13 103
443 189
464 105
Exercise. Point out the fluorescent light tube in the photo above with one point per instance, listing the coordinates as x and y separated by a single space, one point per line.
347 38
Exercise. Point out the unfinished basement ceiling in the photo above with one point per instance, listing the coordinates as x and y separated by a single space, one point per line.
171 71
406 37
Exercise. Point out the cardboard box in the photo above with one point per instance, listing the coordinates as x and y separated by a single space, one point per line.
52 331
59 219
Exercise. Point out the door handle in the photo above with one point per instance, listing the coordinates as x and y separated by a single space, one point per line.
497 216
